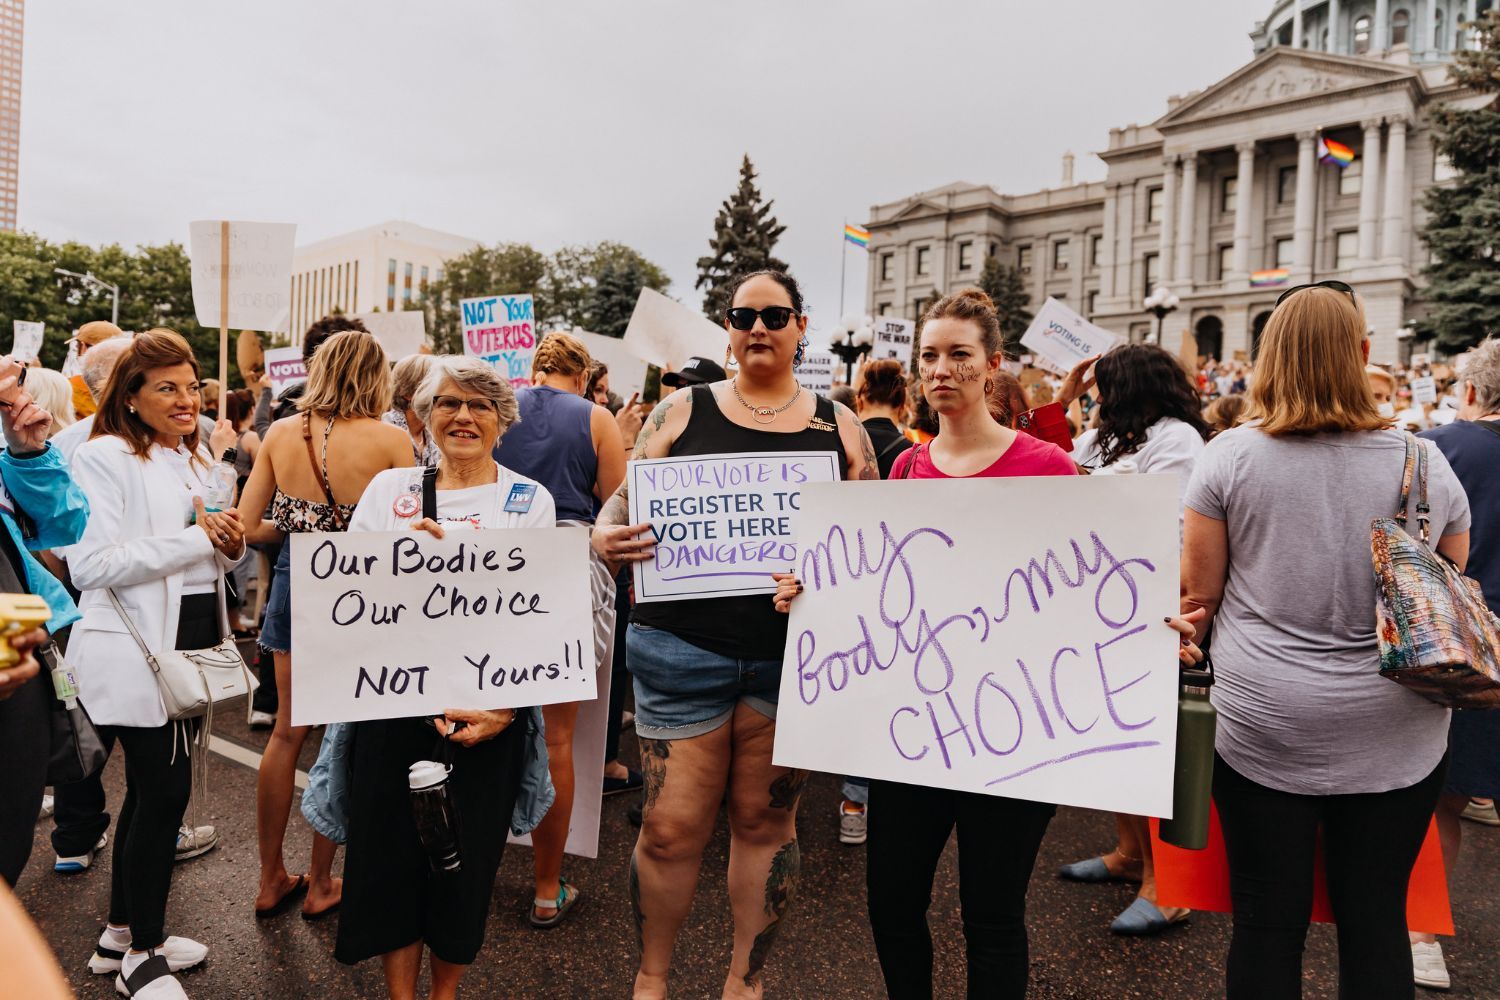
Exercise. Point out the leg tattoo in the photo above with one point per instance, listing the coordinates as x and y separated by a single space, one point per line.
654 754
779 884
635 903
787 789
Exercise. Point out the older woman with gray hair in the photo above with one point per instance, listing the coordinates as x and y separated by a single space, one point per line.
393 903
406 378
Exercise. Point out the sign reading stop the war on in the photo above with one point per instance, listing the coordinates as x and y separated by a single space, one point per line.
931 648
893 339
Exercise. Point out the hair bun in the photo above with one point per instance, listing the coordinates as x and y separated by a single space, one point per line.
976 295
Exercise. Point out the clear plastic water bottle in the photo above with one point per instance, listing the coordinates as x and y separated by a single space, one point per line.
436 818
221 481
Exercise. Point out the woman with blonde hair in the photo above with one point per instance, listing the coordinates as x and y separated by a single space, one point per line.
311 470
1276 552
54 393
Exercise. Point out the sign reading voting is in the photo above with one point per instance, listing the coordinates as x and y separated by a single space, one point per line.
1061 338
722 523
931 647
501 329
399 623
893 339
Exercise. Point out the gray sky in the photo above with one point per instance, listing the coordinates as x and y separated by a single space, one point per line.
555 122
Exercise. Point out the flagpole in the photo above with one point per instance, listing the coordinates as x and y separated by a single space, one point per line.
843 266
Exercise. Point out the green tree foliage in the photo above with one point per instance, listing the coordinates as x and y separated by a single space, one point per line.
503 269
745 234
575 275
612 298
1463 218
1006 287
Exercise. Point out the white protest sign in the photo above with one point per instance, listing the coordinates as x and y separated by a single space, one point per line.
28 342
893 339
501 329
260 273
627 372
722 523
1423 390
402 334
815 373
1063 338
285 367
933 649
666 333
1421 360
402 624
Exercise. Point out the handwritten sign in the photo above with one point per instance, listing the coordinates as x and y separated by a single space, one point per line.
665 333
893 339
932 648
815 373
28 343
722 523
401 333
285 367
1423 390
399 623
260 273
501 329
1062 338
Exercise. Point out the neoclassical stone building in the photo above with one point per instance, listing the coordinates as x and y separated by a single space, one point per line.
1225 184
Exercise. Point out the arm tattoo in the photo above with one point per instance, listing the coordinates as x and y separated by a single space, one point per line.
616 510
869 464
780 882
654 754
787 789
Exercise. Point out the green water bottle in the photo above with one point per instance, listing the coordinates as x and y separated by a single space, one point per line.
1192 779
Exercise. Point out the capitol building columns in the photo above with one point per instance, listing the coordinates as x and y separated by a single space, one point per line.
1397 199
1166 238
1186 221
1369 193
1302 225
1244 184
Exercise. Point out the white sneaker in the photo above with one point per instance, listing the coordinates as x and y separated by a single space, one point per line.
261 720
1475 811
109 955
195 840
47 808
853 826
1428 968
79 863
149 978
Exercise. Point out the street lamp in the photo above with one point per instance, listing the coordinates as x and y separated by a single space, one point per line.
1159 303
859 337
114 290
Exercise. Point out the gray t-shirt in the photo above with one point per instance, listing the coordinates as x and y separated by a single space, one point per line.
1302 706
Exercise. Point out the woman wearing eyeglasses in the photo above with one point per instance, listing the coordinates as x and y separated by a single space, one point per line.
311 471
707 672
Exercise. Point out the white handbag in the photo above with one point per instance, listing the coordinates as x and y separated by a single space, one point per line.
192 681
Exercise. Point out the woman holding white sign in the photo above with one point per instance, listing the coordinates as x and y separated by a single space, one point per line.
396 905
708 672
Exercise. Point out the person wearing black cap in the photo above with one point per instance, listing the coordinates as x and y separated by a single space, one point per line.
696 371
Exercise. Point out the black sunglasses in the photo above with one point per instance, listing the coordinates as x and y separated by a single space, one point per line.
1337 286
775 317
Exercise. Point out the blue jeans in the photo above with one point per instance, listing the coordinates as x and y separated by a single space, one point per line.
683 691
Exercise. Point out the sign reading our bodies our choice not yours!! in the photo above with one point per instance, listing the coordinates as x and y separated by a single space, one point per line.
932 647
501 329
399 623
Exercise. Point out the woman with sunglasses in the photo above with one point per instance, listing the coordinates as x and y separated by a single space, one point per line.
707 672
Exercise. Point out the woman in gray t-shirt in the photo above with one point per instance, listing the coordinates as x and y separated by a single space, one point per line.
1277 550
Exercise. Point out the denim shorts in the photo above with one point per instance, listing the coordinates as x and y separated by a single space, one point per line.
682 690
276 630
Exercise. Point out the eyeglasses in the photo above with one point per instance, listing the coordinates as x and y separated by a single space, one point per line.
774 317
1337 286
479 407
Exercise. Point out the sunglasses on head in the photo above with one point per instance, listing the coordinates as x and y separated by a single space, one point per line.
774 317
1337 286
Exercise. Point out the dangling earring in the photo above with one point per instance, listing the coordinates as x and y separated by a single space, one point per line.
989 385
801 353
727 354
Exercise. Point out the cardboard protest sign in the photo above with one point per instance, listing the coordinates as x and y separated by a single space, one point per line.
1199 880
627 372
400 623
501 330
815 373
285 367
1063 338
933 649
1424 390
402 334
722 523
28 342
246 266
666 333
893 339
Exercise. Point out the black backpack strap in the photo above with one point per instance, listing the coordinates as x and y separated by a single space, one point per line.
429 493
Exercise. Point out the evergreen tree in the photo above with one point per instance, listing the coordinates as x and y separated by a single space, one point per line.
1463 218
503 269
612 297
1007 288
574 272
745 233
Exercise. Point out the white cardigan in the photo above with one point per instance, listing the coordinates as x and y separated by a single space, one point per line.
135 543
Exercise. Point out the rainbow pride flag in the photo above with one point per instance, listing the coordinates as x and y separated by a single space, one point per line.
1270 276
1334 152
859 237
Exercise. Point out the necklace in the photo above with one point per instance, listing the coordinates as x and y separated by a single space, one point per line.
763 414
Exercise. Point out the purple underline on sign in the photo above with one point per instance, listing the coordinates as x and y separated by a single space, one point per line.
1071 756
705 576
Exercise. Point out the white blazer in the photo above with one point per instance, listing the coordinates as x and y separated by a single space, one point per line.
135 542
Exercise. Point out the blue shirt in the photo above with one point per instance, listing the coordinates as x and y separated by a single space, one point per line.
1474 453
42 509
553 444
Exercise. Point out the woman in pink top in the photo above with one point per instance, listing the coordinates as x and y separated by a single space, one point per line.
909 825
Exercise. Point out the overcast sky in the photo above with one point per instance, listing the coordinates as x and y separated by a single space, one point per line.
555 122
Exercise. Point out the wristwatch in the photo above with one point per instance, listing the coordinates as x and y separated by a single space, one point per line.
230 456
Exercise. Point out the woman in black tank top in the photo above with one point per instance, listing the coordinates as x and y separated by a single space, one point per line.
707 672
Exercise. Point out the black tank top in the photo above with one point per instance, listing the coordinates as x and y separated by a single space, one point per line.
749 627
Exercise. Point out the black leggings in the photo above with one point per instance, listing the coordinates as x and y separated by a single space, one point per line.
25 744
1370 843
998 840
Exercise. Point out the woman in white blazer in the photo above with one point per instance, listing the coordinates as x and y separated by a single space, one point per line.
150 540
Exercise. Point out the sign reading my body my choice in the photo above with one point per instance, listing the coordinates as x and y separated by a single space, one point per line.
722 523
398 623
935 646
501 329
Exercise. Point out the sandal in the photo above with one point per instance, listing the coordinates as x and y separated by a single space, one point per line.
276 909
567 895
1143 918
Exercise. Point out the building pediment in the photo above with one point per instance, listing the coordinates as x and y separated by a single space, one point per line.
916 208
1283 76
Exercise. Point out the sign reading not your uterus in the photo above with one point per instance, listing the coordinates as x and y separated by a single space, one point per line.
399 623
722 523
501 329
935 646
